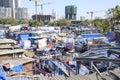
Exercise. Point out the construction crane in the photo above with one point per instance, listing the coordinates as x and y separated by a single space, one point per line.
42 6
92 13
36 18
36 3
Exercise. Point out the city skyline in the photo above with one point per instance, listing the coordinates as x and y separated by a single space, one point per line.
13 8
83 7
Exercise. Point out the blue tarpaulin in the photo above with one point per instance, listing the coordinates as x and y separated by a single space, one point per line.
33 40
23 37
111 36
2 74
18 68
94 35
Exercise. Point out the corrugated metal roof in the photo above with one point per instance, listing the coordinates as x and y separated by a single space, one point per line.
8 46
62 77
17 61
15 51
41 77
7 41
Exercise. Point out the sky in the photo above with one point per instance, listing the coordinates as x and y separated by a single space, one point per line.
99 7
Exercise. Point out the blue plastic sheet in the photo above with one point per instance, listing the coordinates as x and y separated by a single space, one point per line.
92 35
109 34
2 74
22 37
18 68
20 78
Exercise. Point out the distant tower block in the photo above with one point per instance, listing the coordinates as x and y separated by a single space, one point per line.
71 12
53 15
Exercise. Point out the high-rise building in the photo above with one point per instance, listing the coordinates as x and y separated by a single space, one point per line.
4 3
71 12
16 9
21 13
17 3
42 18
5 12
8 4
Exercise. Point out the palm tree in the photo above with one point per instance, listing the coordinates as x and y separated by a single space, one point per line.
102 24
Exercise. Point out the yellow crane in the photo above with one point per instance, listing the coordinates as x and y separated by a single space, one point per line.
36 5
42 12
92 13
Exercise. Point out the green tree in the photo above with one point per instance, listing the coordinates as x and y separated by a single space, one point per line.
1 20
46 22
103 24
117 13
54 23
63 22
85 22
114 14
32 23
35 23
40 23
11 21
23 21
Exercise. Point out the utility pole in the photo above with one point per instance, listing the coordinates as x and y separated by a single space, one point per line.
91 15
36 4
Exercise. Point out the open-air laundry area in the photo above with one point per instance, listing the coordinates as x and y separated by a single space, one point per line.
59 53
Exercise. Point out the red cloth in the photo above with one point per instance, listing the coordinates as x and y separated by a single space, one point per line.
67 62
